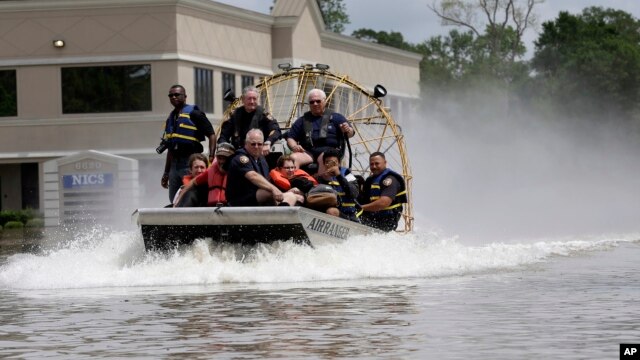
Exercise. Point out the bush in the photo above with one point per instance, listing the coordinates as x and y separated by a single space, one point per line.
34 223
13 225
8 215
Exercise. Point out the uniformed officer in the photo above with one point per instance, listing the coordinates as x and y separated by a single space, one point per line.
248 180
382 196
317 131
250 116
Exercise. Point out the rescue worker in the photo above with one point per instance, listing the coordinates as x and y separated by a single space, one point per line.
248 182
209 188
185 129
343 182
317 131
382 196
250 116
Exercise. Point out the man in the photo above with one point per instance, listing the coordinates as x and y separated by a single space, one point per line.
316 132
184 129
209 187
248 180
343 182
250 116
382 196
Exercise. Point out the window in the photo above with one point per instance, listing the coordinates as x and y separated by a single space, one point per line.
8 93
228 82
106 89
247 80
204 89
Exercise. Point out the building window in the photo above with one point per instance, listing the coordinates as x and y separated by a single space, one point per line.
247 80
228 82
101 89
204 89
8 93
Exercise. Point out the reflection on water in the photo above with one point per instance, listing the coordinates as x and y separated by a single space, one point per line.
387 298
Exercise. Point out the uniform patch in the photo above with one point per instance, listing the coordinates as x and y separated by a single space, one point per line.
387 181
244 159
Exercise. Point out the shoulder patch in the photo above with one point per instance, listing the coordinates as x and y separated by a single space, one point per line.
387 181
244 159
268 116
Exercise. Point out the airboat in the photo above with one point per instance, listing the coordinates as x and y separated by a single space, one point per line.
284 96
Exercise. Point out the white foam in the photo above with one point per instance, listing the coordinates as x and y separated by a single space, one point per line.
118 259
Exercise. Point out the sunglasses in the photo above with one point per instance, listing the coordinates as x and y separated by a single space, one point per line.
256 144
315 102
174 95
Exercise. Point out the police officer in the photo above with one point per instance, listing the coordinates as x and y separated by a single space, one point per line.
250 116
185 128
343 182
316 131
382 196
248 179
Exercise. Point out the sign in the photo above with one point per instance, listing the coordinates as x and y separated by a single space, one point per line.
99 180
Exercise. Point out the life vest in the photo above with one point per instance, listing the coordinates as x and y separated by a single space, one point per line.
182 130
238 140
326 136
374 191
217 181
346 204
186 179
283 183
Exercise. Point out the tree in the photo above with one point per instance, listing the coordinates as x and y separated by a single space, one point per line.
334 15
589 64
393 39
504 24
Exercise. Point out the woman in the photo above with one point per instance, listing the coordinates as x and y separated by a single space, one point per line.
285 176
197 165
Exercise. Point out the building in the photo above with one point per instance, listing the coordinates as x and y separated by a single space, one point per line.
94 74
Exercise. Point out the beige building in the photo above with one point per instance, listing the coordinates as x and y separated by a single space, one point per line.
94 74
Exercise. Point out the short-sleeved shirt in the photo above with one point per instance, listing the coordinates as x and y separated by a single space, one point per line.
333 131
241 191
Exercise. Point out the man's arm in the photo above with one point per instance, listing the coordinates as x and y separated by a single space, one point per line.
164 182
379 204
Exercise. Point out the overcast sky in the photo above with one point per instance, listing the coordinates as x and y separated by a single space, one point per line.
414 20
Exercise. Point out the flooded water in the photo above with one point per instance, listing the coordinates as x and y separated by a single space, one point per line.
414 296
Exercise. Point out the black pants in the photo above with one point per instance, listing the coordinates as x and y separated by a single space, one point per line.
384 222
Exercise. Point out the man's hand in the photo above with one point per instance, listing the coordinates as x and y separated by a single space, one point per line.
277 195
347 129
164 182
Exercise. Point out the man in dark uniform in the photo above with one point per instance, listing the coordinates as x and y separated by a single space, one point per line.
250 116
184 129
382 196
248 180
316 131
343 182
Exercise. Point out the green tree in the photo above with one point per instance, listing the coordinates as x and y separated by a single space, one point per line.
393 39
334 15
589 64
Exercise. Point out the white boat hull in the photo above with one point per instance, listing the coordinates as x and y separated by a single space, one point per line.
164 228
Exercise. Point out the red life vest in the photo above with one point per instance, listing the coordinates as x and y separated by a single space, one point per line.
217 182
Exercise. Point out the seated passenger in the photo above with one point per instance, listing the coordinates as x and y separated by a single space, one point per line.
208 188
248 182
317 131
343 182
197 165
285 176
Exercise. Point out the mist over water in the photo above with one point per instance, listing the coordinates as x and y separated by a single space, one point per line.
488 171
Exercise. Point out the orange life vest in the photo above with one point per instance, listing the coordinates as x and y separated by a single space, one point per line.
281 181
217 182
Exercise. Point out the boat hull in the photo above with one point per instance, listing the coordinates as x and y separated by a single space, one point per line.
165 228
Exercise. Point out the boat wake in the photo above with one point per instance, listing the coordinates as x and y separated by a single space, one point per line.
117 259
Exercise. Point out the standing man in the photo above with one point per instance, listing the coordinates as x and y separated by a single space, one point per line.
316 132
248 180
184 129
382 196
250 116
